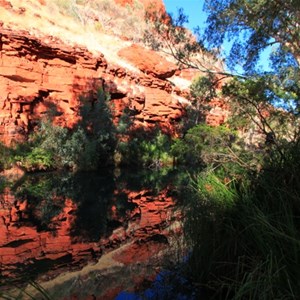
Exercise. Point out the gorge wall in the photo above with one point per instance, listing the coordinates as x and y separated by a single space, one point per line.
39 75
42 73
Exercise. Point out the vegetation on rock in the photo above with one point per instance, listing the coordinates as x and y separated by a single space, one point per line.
95 142
108 16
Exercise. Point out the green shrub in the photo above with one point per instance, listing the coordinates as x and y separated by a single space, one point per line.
5 157
147 149
37 159
203 144
88 146
52 147
43 149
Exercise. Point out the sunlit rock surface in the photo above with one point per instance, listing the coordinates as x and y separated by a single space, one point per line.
148 61
157 5
40 75
48 62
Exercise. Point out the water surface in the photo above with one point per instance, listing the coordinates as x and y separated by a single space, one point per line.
88 234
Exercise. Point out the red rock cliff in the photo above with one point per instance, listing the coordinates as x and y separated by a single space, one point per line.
39 74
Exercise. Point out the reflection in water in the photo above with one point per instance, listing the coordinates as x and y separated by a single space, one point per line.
54 224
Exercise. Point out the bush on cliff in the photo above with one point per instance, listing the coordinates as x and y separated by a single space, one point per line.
145 148
88 146
94 143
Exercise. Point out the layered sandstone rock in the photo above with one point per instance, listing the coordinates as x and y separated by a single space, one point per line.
148 61
41 75
38 75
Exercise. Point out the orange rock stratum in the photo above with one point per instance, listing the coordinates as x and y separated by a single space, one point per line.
48 60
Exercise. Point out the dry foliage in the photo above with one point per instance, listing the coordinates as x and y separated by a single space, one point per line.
107 16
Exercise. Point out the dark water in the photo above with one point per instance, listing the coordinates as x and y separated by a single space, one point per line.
90 235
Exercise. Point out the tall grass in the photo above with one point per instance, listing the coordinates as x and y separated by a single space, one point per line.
246 239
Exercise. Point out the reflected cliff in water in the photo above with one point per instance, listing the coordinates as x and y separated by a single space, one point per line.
57 228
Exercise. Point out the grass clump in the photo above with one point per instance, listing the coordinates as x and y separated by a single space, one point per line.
246 237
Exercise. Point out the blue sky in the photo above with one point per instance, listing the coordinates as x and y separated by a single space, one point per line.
192 8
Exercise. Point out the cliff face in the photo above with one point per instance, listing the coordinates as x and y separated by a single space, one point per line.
43 68
37 75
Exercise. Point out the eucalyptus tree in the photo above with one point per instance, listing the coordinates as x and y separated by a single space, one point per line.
254 25
250 27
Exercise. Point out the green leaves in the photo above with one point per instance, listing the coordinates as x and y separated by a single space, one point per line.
253 26
204 145
169 35
204 89
145 149
252 111
38 159
213 191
